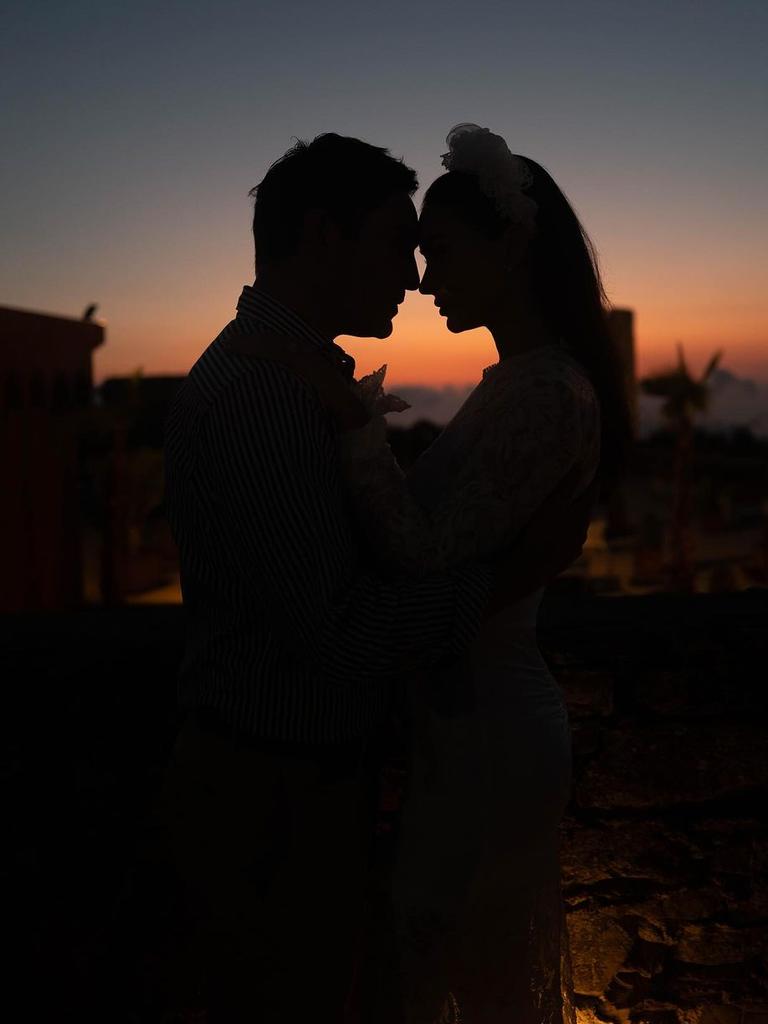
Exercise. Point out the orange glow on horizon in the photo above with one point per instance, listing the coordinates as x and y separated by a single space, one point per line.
422 351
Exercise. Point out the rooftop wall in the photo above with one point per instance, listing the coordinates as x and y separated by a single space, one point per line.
45 383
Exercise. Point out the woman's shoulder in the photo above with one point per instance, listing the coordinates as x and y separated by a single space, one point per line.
570 372
542 375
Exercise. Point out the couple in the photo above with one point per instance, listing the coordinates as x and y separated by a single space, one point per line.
319 580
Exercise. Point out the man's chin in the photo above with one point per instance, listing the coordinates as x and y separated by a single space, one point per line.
382 329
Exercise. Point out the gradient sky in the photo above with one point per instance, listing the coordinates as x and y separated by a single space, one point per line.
132 132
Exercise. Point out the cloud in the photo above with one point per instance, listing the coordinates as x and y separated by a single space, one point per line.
736 402
438 405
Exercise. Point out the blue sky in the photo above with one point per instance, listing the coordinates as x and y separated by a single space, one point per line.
132 133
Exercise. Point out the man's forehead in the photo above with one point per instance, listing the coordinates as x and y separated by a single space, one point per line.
398 213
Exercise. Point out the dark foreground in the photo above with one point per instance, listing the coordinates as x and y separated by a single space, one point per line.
665 851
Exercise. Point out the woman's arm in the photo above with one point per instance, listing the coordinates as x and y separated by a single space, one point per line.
536 433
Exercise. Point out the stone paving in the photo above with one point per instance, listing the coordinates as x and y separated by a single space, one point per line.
665 847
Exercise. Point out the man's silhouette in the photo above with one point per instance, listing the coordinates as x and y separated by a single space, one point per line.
293 642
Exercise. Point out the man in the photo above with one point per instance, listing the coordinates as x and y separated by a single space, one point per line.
292 643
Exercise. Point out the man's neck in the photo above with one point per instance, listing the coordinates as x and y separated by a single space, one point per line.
297 297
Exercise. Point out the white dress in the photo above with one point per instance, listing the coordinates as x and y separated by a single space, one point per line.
476 887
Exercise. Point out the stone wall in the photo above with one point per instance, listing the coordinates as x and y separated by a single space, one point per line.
665 846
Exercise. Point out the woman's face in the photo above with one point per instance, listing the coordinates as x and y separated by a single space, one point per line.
467 272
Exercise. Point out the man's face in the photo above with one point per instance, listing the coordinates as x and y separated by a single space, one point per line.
377 268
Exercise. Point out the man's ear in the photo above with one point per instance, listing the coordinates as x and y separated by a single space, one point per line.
320 230
314 229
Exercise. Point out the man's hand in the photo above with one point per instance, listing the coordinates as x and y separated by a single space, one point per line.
551 542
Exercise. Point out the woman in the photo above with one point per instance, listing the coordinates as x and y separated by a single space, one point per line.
476 885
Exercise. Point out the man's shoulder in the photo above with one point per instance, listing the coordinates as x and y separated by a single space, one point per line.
226 371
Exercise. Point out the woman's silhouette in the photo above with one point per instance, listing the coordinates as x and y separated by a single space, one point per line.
476 885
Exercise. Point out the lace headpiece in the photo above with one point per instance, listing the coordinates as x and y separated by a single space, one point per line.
502 176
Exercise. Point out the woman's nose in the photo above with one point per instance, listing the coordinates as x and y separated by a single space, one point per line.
412 275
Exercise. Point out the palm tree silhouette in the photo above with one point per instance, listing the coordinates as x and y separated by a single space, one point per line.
684 397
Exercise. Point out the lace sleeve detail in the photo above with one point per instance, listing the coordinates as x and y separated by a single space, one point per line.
537 427
515 442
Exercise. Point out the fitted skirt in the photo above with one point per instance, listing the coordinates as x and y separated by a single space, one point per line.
476 885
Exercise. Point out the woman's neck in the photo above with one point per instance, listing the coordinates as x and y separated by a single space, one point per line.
520 329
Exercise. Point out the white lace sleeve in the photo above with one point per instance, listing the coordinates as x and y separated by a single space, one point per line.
513 442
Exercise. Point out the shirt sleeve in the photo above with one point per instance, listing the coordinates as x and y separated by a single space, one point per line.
270 455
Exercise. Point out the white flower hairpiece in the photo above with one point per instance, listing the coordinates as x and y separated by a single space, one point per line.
502 176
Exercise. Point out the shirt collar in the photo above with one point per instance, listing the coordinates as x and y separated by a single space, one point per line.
258 305
270 312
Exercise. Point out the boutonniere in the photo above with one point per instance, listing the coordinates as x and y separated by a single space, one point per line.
370 391
370 440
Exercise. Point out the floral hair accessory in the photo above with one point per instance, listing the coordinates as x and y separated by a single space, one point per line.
502 176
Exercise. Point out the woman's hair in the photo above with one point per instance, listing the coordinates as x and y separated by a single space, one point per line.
564 275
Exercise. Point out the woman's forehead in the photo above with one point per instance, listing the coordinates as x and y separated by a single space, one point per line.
436 220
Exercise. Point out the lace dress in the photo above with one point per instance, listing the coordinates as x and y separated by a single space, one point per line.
476 886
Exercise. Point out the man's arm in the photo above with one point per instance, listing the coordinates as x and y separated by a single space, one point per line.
281 517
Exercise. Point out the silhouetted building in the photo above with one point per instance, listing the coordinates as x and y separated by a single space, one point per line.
46 374
138 553
621 324
145 402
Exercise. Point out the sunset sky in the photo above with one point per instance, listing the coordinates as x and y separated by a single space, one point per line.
131 134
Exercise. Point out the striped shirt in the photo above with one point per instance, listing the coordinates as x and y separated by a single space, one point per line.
289 636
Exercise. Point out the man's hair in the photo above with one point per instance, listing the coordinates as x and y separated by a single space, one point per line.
345 177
